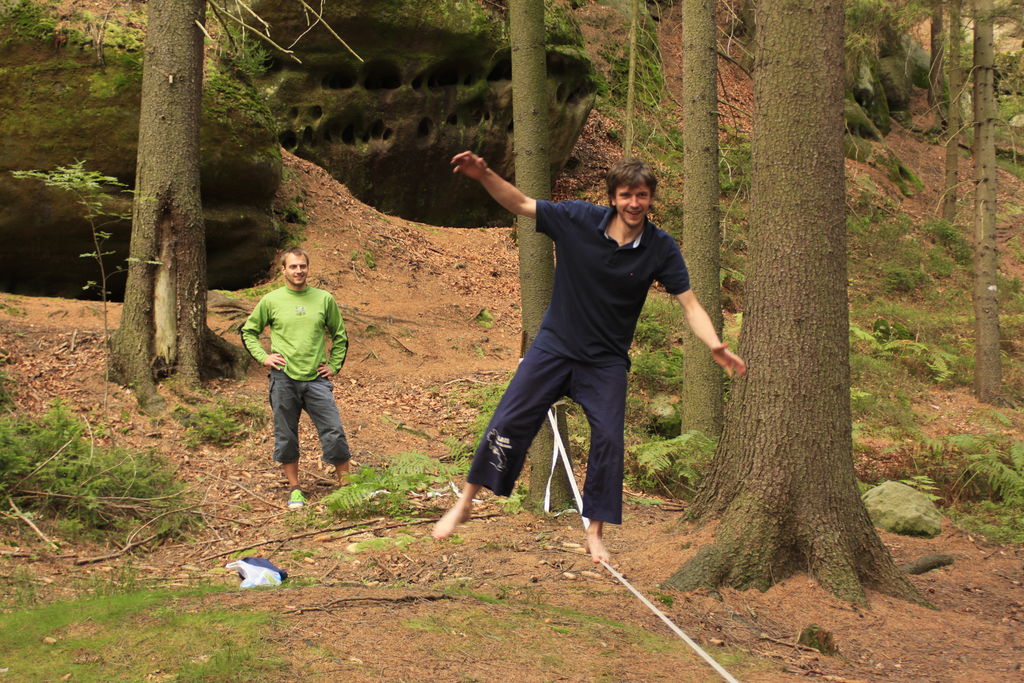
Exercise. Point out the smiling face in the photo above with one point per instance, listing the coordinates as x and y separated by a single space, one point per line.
631 204
296 269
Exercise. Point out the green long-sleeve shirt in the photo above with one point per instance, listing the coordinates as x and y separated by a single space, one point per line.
298 321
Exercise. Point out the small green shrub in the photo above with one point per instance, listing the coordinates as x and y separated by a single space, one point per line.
659 322
951 238
48 467
898 278
660 370
221 423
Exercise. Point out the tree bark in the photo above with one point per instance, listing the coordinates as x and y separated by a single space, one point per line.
782 483
533 177
955 77
702 239
935 74
163 323
630 136
988 372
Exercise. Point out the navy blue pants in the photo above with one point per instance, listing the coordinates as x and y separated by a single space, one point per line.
542 379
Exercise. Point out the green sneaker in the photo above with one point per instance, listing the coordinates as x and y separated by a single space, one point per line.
296 501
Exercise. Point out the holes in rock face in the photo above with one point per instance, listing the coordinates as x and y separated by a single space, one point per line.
444 75
293 112
452 73
502 70
288 140
417 82
307 135
560 92
348 134
342 79
379 131
315 112
453 119
425 128
475 116
381 75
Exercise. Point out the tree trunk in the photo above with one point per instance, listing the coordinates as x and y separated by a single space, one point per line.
163 324
702 239
533 177
988 371
935 81
953 108
782 483
630 136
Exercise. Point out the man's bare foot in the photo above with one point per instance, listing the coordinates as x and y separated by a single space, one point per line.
455 516
595 544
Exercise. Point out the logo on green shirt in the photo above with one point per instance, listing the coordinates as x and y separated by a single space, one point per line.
300 310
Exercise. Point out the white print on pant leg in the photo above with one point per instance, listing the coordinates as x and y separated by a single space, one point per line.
498 444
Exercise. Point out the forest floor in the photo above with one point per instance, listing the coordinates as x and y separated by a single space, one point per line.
517 587
512 595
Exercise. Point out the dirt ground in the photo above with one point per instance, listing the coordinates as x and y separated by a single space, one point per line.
415 609
415 348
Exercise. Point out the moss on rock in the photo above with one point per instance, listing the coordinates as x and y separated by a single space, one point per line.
59 104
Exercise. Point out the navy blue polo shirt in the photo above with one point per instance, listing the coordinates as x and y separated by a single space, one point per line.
600 287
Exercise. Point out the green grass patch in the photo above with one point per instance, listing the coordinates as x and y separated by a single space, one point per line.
137 636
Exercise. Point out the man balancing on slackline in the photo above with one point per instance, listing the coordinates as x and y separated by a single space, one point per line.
607 258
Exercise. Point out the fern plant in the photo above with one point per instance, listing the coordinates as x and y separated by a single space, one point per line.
894 340
373 491
1003 473
673 466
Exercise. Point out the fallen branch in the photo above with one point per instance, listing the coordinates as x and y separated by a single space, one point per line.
396 525
405 598
291 538
42 465
926 563
19 515
257 497
122 551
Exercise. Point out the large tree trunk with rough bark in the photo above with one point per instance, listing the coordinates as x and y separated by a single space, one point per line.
954 121
163 324
988 371
702 239
533 177
782 485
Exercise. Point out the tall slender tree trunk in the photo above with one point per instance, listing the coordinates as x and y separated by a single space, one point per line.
702 239
988 371
935 73
533 177
630 136
163 323
782 484
955 77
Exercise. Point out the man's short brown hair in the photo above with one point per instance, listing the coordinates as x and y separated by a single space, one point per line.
294 251
631 173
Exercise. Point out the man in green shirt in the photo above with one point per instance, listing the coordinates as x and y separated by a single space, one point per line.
300 369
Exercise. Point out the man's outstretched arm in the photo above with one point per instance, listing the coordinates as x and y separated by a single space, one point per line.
502 191
704 330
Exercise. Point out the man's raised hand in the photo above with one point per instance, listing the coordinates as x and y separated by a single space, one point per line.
469 165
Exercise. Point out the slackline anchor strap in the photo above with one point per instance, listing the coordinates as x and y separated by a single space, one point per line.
559 454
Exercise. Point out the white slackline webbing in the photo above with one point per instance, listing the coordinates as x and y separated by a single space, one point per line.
559 453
